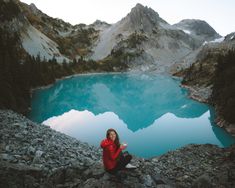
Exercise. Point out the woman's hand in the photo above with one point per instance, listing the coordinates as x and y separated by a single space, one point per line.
123 146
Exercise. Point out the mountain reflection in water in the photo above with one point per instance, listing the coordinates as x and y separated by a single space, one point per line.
150 112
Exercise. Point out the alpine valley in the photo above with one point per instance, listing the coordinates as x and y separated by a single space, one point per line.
36 49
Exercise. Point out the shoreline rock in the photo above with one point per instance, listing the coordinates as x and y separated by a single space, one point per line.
203 94
230 128
34 155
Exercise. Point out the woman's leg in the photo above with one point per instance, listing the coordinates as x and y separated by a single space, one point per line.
124 159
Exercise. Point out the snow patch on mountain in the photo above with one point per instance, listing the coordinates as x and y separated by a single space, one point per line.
198 29
218 40
221 39
187 31
65 33
36 43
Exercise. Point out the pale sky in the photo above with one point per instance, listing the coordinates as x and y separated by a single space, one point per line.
217 13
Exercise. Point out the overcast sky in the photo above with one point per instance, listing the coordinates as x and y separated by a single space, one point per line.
218 13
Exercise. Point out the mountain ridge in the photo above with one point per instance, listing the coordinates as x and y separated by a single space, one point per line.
158 47
199 28
58 160
162 46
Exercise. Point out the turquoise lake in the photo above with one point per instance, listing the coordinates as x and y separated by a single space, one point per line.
150 112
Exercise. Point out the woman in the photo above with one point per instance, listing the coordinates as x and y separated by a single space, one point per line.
113 158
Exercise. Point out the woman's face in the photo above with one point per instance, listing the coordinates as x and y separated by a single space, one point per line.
112 135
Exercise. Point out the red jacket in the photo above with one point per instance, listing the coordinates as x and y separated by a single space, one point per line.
110 153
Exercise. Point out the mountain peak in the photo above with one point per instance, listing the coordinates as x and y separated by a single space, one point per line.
139 6
144 9
99 25
33 6
34 9
99 22
143 18
198 28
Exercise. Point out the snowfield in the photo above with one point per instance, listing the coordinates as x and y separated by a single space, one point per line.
218 40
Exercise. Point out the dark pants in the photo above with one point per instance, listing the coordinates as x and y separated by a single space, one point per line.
124 159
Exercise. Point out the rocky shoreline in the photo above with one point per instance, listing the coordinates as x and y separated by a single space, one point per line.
230 128
203 94
33 155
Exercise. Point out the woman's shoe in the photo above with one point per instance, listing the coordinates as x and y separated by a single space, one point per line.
130 166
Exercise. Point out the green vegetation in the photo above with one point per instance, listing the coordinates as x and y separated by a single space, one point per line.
84 37
218 70
8 10
12 87
113 63
78 43
223 95
20 72
125 52
202 72
135 39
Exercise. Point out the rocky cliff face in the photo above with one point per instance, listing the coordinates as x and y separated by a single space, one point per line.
142 19
33 155
73 42
210 79
44 36
99 25
158 45
199 29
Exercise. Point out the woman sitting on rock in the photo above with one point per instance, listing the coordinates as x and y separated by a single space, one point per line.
113 157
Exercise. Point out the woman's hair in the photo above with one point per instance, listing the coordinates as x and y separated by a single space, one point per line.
116 141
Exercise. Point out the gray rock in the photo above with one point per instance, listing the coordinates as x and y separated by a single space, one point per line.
38 153
18 135
148 181
164 186
7 157
7 148
19 125
158 179
31 150
92 182
98 171
203 181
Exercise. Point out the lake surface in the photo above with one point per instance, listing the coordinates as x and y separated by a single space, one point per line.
152 113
